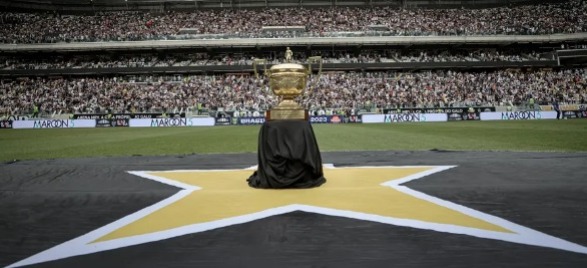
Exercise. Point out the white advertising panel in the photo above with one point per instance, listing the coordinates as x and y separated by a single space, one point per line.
518 115
55 123
399 118
172 122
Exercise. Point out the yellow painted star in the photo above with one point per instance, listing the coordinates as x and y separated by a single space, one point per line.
223 194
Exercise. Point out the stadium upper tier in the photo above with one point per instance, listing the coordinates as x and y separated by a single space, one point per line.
101 61
567 17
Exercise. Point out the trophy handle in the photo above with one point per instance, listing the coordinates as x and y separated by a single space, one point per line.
313 60
257 62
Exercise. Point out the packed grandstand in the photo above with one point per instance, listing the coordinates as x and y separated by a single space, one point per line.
52 79
340 91
565 17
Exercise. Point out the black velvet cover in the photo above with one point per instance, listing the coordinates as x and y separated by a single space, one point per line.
288 156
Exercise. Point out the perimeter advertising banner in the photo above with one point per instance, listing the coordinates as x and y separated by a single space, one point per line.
172 122
565 107
319 119
575 114
336 119
124 115
448 110
327 119
518 115
404 117
222 121
354 119
464 116
121 122
54 123
5 124
259 120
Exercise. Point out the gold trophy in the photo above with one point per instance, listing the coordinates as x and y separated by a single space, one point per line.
288 81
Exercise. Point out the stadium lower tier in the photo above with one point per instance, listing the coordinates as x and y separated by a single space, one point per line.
336 91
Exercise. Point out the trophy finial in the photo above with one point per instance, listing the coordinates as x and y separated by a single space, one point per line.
288 55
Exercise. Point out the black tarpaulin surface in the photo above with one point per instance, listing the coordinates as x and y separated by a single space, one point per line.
48 202
288 156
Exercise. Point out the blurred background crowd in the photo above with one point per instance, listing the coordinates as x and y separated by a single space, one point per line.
565 17
332 91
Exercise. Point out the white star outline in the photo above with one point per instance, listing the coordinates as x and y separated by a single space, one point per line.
82 245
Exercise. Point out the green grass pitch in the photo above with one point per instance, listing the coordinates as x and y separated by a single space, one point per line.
536 136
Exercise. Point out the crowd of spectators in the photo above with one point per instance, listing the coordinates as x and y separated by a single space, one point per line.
202 59
76 62
485 55
339 91
447 89
565 17
471 56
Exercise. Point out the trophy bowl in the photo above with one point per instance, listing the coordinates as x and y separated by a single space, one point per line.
288 81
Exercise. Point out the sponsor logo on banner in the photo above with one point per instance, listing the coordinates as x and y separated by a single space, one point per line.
397 118
319 119
167 122
455 117
122 122
355 119
472 116
54 123
521 115
251 120
103 123
5 123
101 116
220 121
569 115
449 110
326 119
89 116
409 117
124 115
518 115
582 112
463 116
144 116
335 119
171 122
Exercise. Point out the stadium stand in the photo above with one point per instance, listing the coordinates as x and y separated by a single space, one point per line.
335 91
566 17
118 76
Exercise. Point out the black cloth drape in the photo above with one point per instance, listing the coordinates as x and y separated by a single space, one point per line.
288 156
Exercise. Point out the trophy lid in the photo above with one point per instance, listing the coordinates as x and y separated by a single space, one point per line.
287 66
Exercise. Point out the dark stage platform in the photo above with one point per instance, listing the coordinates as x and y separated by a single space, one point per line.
44 204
